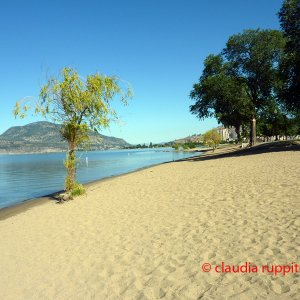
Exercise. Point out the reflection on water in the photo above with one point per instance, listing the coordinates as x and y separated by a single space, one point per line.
33 175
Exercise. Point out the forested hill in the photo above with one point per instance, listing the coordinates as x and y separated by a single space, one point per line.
45 137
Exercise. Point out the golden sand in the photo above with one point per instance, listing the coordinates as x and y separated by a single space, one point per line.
146 235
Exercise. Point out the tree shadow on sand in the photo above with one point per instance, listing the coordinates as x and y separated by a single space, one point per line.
280 146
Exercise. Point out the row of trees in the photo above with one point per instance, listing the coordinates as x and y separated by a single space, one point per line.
211 138
151 145
254 82
185 146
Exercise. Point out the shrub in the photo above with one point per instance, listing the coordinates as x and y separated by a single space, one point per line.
78 190
212 138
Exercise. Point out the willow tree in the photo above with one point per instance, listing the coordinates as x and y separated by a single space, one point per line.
79 105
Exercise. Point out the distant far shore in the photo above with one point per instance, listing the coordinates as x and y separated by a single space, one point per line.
50 151
33 152
82 150
46 151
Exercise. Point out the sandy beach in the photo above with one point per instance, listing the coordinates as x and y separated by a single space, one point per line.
148 234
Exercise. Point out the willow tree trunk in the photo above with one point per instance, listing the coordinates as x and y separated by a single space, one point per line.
253 132
70 165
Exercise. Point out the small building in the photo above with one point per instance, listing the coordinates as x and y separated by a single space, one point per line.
227 134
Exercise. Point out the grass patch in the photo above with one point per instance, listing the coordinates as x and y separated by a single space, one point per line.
78 190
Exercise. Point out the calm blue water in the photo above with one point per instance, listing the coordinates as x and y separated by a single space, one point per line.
29 176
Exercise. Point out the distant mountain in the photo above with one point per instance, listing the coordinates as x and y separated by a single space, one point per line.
45 137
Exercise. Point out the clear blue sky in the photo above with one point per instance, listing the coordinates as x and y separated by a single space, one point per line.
158 46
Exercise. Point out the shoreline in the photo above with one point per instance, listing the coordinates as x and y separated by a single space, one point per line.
18 208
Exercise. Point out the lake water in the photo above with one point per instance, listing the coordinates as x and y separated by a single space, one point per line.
28 176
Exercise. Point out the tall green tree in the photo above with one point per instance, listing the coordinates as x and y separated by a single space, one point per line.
254 57
289 17
219 94
79 105
237 84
